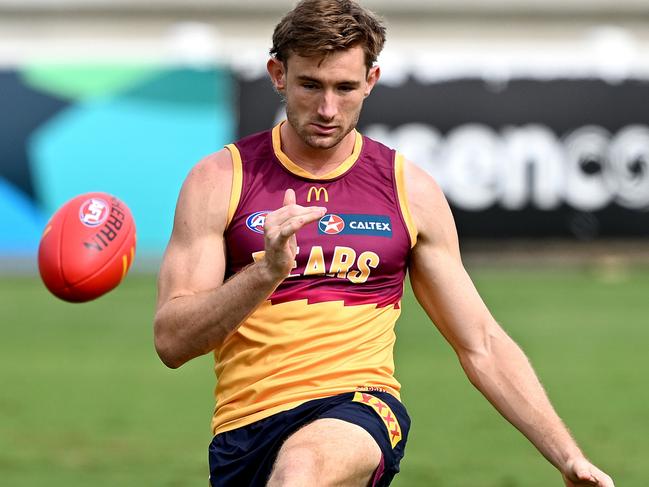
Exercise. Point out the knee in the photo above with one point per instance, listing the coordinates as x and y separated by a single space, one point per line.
297 466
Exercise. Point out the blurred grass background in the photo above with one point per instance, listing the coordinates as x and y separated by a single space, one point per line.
85 401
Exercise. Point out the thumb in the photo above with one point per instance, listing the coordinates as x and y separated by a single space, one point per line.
289 197
582 473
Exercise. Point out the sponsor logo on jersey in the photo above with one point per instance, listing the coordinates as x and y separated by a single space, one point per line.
352 224
93 212
255 222
331 224
317 192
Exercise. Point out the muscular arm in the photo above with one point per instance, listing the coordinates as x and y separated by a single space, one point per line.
196 310
494 364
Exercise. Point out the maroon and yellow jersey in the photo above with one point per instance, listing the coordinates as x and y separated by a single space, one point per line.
329 327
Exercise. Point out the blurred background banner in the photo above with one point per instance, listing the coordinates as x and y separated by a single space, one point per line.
130 130
525 158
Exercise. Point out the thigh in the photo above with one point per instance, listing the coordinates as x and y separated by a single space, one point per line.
334 432
386 419
245 456
327 452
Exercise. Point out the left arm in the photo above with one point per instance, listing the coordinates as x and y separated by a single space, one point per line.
494 364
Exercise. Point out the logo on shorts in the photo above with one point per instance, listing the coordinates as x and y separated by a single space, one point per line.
93 212
255 222
383 410
331 224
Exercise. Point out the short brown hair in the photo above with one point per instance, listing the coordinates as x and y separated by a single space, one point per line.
321 27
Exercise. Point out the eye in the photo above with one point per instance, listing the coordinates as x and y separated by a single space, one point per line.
346 88
309 86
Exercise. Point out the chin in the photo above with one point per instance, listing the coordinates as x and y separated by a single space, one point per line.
322 142
326 141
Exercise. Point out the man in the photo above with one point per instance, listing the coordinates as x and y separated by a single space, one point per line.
298 301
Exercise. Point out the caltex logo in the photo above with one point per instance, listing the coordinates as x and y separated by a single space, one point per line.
93 212
255 222
355 224
331 224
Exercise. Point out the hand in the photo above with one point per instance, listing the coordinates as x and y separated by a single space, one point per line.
279 233
581 472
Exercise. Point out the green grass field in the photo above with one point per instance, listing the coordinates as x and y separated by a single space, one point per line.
85 401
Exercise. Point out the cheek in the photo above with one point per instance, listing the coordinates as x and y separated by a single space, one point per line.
302 101
352 104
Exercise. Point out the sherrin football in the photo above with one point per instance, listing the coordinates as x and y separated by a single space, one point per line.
87 247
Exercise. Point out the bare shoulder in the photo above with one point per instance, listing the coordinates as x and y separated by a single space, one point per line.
204 196
429 208
214 165
194 258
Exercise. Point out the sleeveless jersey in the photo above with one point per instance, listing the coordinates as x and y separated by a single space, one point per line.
329 327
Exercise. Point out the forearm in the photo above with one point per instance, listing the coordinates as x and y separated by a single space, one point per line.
505 377
192 325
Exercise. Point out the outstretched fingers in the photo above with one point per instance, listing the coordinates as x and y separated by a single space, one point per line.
287 220
293 224
280 229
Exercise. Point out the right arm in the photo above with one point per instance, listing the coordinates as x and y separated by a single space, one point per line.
196 310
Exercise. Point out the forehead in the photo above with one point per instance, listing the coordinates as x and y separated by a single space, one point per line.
348 64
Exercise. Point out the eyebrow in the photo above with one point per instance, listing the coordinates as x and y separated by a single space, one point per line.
353 84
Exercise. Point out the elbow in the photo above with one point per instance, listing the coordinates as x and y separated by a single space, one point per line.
177 344
166 348
175 348
479 360
167 354
476 365
169 359
489 358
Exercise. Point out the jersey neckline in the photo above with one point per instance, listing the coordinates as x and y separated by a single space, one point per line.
293 168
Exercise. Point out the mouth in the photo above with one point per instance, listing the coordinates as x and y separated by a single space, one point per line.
324 129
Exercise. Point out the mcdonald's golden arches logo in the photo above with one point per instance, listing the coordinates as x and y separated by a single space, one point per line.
318 192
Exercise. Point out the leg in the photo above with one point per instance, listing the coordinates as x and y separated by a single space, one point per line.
327 453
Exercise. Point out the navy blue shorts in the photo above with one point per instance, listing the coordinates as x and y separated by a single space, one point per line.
245 456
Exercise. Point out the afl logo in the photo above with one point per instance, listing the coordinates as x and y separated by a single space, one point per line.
93 212
331 224
255 222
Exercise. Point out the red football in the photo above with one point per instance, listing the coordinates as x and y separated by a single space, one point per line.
87 247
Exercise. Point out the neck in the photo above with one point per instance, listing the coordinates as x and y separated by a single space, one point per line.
315 160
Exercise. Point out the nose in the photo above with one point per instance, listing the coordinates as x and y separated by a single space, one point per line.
327 108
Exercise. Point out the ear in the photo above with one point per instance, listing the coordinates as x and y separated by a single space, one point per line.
372 77
277 72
